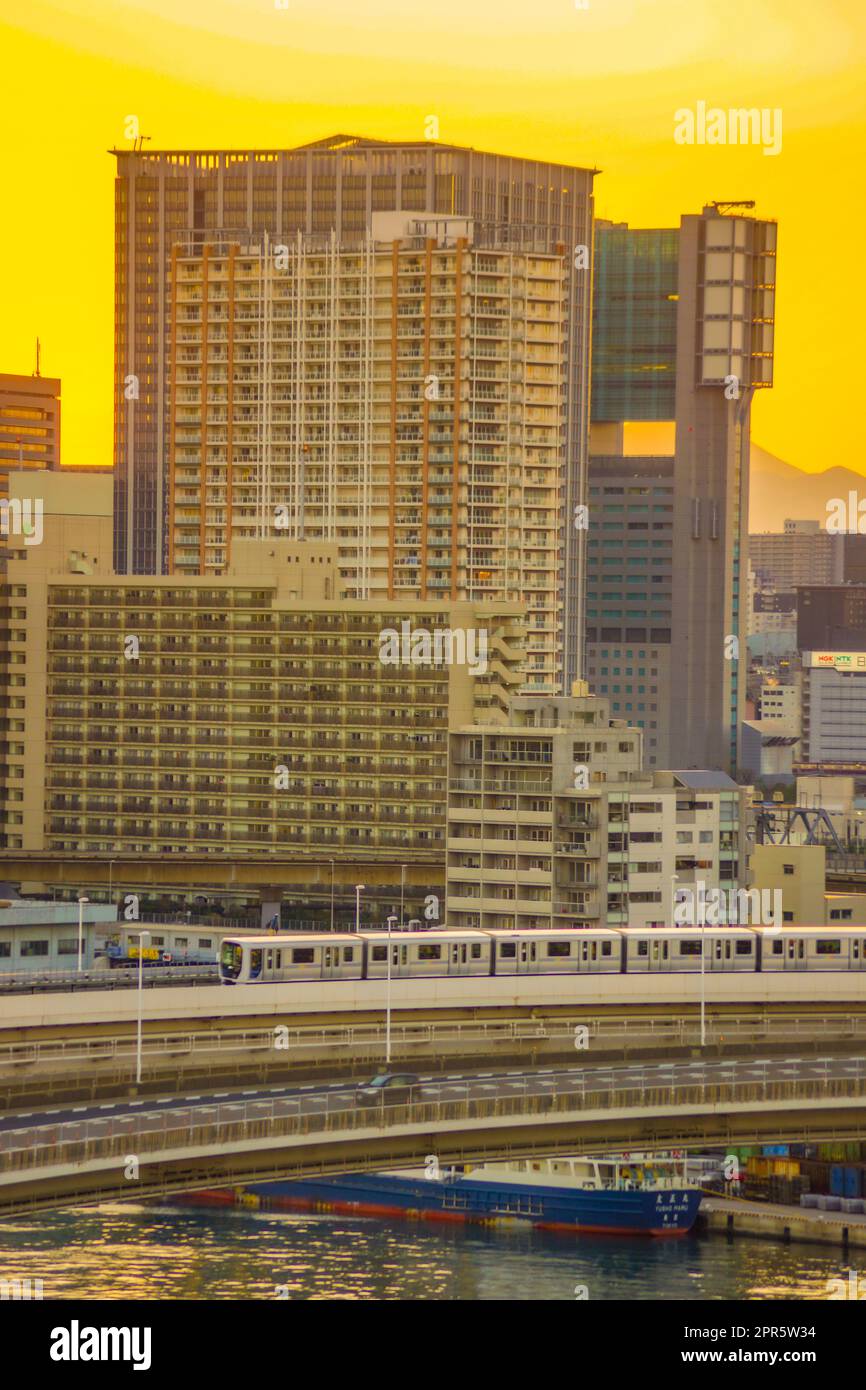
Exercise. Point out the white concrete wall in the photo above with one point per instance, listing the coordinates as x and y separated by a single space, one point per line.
282 1001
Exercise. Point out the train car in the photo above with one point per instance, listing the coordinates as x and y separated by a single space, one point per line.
291 956
812 948
556 952
181 944
423 955
678 950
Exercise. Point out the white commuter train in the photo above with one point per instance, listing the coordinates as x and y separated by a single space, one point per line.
297 956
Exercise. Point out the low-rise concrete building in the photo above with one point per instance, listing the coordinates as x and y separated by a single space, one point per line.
552 823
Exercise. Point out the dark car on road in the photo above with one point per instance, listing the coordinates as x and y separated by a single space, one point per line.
388 1088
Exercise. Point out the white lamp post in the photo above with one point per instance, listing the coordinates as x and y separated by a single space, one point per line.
402 889
81 902
331 862
359 887
391 920
143 936
703 987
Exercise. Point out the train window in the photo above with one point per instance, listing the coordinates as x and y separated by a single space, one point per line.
690 948
744 946
180 941
643 948
828 948
476 951
508 950
778 948
205 943
279 960
303 955
348 953
559 948
429 952
605 948
157 941
379 953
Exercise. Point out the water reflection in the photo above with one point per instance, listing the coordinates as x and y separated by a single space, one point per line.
139 1252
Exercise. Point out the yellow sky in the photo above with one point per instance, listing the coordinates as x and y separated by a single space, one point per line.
539 78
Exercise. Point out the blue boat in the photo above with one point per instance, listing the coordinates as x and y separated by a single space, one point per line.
621 1195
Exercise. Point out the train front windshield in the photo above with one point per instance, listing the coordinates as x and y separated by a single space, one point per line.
231 960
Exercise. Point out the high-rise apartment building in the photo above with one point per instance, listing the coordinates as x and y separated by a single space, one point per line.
685 322
402 400
804 553
177 213
255 713
29 424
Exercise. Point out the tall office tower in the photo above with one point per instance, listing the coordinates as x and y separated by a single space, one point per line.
831 618
176 212
629 593
683 327
29 424
402 399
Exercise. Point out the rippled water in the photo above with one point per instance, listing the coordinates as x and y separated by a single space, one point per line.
138 1252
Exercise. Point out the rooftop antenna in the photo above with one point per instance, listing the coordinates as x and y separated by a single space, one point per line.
725 206
38 355
139 143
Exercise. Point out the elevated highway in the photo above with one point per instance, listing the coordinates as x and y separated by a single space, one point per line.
136 1149
51 1067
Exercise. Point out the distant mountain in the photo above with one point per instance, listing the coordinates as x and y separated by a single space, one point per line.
779 491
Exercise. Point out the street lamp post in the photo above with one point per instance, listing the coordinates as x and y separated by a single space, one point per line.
358 890
331 862
143 936
402 889
81 902
703 986
391 920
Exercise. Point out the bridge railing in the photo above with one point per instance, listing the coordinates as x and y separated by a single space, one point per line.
681 1030
237 1125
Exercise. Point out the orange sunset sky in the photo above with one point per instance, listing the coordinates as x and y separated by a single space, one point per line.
539 78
